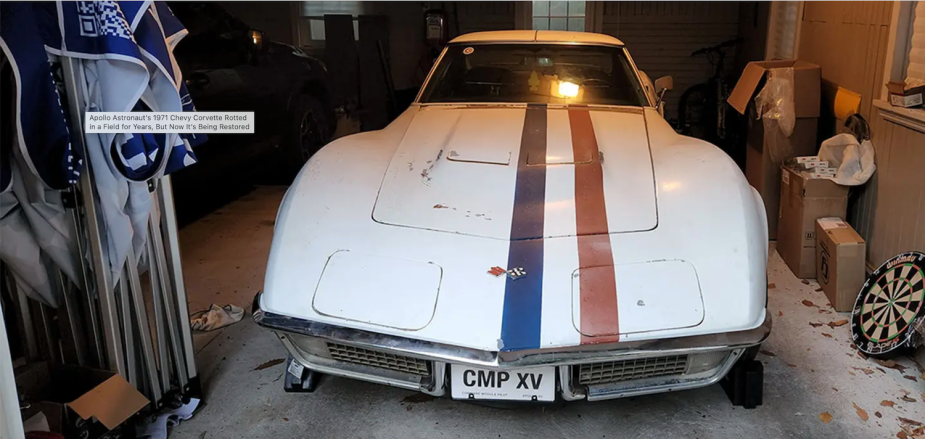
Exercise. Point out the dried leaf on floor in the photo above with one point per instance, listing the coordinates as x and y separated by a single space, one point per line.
269 364
877 414
907 398
910 378
780 313
825 417
886 363
806 282
852 373
807 303
834 389
790 364
286 419
864 369
818 289
772 286
815 325
767 353
902 435
886 403
911 422
826 335
861 412
838 323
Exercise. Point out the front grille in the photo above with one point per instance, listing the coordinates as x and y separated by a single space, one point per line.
383 360
626 370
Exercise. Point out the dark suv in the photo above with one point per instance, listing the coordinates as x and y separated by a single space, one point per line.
229 66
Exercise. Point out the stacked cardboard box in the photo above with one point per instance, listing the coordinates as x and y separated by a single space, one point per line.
762 165
840 256
803 200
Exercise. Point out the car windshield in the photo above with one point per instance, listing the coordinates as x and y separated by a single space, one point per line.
534 73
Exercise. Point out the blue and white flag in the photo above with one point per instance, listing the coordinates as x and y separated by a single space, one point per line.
40 126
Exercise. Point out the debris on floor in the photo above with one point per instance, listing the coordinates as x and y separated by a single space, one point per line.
216 317
269 364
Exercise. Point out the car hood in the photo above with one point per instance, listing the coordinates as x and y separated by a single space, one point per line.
521 172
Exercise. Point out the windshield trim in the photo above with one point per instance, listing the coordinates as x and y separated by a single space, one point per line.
417 99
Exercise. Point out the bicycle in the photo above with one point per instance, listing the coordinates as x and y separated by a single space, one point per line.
702 109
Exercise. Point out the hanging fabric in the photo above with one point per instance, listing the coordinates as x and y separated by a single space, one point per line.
40 126
125 50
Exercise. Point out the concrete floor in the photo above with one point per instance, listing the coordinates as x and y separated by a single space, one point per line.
808 371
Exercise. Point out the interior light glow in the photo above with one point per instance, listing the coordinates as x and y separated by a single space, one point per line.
568 89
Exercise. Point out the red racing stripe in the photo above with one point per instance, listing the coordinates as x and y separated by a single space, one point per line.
598 286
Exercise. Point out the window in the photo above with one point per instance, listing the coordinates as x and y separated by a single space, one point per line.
534 73
311 26
559 16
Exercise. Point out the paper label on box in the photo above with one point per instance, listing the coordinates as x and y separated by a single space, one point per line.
906 101
785 177
807 158
826 171
818 175
295 369
832 223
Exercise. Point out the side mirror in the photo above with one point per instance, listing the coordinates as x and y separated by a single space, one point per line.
662 85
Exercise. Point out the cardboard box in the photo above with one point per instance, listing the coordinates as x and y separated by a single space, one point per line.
903 96
840 267
78 402
803 200
762 167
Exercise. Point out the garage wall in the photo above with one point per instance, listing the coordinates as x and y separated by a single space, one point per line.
480 16
273 18
849 41
661 36
889 211
406 24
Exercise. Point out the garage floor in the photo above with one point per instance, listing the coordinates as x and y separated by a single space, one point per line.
810 371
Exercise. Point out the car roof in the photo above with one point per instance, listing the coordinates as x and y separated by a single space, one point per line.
532 36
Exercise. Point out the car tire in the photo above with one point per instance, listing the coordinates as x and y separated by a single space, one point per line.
308 130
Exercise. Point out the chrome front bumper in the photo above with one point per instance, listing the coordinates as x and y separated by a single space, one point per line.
291 330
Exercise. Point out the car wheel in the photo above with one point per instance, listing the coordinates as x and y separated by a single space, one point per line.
308 131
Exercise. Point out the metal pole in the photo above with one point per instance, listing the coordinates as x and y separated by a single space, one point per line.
176 343
54 353
157 291
73 316
143 330
74 85
126 308
172 242
32 347
88 287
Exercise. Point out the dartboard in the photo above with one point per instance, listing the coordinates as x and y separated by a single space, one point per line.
887 305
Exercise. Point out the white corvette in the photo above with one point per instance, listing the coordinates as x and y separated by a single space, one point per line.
531 228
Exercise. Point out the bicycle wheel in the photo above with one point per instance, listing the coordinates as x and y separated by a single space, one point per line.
694 112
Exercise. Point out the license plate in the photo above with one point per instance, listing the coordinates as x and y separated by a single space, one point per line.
534 384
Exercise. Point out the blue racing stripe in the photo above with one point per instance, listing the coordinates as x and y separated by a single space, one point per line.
523 298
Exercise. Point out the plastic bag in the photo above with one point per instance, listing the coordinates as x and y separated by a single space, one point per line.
775 101
855 161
